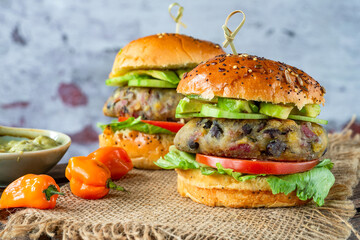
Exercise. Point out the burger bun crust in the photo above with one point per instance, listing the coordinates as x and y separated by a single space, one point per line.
221 190
163 51
252 78
143 149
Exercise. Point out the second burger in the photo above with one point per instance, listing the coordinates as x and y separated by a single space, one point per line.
147 72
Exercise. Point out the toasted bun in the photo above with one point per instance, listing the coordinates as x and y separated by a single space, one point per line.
143 149
222 190
163 51
252 78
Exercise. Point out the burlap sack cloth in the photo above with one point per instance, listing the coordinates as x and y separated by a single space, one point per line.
154 210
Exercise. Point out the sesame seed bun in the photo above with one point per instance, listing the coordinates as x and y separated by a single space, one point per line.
143 149
252 78
222 190
163 51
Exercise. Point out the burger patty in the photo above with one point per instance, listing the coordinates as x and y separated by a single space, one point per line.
272 139
149 103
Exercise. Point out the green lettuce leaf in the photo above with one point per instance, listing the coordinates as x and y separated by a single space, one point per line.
178 159
136 125
183 160
313 184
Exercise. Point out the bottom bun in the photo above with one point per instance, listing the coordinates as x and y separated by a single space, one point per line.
222 190
143 149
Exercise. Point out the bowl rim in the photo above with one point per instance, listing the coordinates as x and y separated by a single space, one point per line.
66 144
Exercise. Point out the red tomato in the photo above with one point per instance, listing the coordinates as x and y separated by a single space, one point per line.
257 166
171 126
115 158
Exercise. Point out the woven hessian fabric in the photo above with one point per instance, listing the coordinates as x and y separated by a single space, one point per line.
154 210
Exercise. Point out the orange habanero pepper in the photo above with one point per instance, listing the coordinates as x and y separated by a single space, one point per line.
35 191
115 158
89 179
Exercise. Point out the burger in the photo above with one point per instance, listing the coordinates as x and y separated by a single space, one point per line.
254 139
146 73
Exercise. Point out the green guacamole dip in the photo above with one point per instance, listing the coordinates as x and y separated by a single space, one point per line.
9 144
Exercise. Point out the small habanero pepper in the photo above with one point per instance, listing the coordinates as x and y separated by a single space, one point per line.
89 179
35 191
115 158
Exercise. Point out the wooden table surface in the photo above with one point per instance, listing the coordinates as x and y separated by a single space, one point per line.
58 173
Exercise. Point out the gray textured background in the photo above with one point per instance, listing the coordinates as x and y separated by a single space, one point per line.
55 55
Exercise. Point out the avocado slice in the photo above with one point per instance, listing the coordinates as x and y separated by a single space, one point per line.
275 110
234 105
155 83
309 110
254 107
123 80
199 98
308 119
187 105
165 75
188 115
209 110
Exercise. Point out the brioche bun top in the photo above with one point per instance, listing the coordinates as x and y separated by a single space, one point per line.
163 51
254 78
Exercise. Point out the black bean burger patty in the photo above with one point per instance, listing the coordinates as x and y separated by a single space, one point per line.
149 103
253 139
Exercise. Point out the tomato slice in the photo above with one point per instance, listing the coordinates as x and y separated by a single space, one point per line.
171 126
257 166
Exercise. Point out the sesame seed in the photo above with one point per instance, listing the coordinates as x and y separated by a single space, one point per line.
255 58
249 70
287 77
235 67
299 80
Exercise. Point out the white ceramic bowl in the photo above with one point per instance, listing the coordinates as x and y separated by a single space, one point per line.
15 165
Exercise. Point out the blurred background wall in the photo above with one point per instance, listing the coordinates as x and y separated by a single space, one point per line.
56 54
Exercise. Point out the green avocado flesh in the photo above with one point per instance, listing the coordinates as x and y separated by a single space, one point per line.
213 111
196 106
199 98
309 110
9 144
150 83
308 119
234 105
274 110
170 78
187 105
188 115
